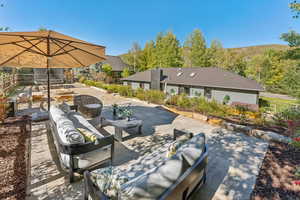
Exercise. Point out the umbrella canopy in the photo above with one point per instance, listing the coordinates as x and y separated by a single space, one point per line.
47 49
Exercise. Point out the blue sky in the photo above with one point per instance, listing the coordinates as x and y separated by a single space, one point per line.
116 24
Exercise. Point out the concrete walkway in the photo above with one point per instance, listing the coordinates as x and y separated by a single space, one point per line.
234 159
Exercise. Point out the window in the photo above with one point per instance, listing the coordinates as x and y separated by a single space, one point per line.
142 85
207 93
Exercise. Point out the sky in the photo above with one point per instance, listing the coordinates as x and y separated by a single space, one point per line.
117 24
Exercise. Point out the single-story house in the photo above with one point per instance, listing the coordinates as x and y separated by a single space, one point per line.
210 82
117 64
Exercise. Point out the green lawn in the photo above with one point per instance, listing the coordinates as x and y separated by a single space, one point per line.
277 104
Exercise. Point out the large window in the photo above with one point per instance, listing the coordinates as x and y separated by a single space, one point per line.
207 93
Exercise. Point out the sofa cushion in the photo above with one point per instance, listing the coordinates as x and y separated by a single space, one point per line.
93 105
192 149
64 107
67 132
56 113
80 122
153 183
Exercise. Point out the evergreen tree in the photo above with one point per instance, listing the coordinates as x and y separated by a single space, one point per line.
195 48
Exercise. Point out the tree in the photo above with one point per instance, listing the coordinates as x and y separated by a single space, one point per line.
168 50
215 53
148 56
195 48
292 37
107 69
133 57
295 7
126 72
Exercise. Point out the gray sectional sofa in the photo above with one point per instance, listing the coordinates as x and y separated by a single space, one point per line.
153 176
77 152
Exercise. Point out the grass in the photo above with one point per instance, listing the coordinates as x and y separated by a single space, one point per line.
277 104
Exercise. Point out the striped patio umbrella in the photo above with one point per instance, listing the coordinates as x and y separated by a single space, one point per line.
47 49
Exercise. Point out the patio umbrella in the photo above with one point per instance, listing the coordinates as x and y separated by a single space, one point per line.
47 49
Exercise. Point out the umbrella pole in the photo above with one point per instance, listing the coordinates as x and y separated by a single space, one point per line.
48 76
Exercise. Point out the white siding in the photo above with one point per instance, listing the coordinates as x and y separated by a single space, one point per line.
174 89
146 86
195 91
239 96
135 85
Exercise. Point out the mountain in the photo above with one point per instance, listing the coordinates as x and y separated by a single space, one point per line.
259 49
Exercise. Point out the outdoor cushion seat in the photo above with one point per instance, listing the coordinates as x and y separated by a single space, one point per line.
152 184
93 105
151 175
80 122
136 167
79 144
56 113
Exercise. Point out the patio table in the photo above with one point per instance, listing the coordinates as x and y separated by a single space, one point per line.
122 124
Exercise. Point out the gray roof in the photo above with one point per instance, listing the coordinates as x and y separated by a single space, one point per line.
203 77
115 62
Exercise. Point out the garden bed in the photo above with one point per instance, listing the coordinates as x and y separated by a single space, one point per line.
277 174
13 163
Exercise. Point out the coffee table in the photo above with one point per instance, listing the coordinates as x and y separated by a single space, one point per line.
122 124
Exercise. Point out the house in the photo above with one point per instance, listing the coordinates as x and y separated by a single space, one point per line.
211 82
117 64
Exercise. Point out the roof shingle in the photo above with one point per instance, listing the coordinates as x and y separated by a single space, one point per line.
202 77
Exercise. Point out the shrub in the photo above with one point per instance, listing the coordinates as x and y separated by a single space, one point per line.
82 79
141 94
226 99
155 96
290 113
89 82
173 100
184 101
126 91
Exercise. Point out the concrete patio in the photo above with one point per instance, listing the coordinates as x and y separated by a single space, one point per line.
234 158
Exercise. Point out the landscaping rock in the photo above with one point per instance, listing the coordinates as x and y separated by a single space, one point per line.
199 117
265 135
275 137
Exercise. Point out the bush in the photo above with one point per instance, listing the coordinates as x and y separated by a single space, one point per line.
184 102
140 94
155 96
89 82
290 113
82 79
126 91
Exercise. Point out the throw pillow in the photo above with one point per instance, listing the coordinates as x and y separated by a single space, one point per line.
65 107
88 135
174 146
108 181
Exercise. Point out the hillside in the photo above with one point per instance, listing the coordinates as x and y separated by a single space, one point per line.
259 49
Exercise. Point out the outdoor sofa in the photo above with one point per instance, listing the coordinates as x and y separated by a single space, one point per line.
78 152
153 176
